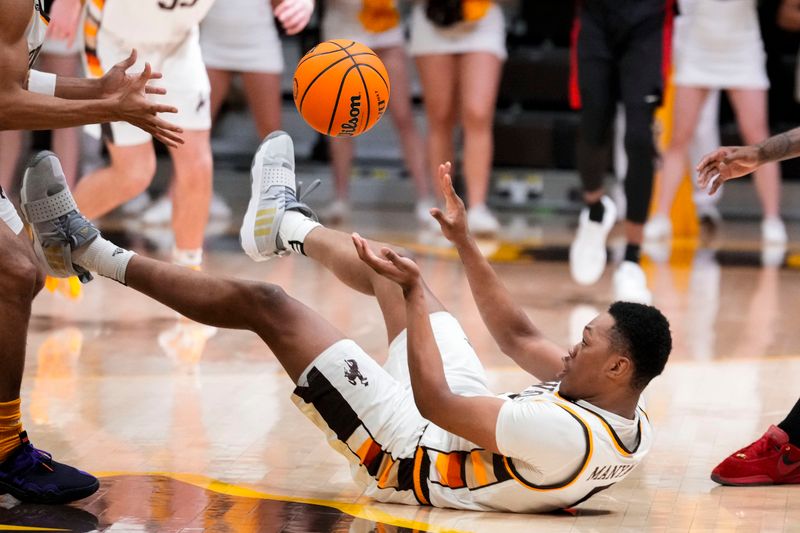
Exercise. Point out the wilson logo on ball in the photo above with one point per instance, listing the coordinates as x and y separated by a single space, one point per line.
349 128
341 88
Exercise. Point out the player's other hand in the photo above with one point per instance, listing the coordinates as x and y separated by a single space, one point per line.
64 18
453 220
294 14
129 97
117 78
389 264
726 163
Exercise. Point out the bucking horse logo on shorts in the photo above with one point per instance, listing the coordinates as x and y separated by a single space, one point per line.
352 373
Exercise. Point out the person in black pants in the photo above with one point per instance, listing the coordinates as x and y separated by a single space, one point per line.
620 51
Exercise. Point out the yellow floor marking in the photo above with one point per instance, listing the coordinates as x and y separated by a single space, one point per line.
26 528
367 512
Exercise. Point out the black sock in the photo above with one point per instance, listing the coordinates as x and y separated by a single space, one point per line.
632 253
791 424
596 211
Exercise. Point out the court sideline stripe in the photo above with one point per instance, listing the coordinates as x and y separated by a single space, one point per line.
367 512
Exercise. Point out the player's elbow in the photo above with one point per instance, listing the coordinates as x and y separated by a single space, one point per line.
431 405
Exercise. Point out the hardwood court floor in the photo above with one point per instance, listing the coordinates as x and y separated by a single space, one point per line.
193 430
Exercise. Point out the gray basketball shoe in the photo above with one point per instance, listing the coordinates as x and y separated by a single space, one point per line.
58 227
273 192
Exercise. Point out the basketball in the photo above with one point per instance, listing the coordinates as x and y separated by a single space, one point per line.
341 88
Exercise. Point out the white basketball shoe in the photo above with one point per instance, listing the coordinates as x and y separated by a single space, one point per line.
273 192
587 254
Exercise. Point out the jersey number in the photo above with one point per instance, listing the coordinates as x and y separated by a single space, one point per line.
172 4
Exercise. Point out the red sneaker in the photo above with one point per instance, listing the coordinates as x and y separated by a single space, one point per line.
771 460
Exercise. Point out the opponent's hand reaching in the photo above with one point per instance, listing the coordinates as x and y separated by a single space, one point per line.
724 164
391 265
294 14
129 94
453 220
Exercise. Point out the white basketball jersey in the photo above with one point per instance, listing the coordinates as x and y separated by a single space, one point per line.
35 34
461 475
149 22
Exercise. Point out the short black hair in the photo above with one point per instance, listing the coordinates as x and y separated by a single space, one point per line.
642 333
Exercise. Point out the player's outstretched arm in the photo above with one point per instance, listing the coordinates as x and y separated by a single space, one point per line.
471 417
729 162
21 109
510 326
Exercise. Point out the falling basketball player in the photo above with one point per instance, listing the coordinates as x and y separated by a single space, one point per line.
424 428
32 100
774 459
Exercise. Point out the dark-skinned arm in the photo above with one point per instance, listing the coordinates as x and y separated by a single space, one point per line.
508 324
21 109
729 162
471 417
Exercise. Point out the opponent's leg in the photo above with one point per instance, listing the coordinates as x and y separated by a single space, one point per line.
774 459
791 424
25 472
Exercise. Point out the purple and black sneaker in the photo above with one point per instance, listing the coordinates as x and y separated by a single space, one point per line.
31 476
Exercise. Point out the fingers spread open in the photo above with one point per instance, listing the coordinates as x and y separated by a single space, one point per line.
130 60
162 108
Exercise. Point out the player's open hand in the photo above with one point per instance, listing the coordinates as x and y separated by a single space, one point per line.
453 220
294 14
133 106
64 18
118 78
726 163
390 264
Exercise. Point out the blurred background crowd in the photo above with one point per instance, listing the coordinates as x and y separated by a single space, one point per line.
486 84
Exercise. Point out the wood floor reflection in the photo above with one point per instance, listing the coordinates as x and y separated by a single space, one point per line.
119 385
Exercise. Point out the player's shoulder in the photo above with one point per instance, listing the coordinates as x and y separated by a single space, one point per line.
14 19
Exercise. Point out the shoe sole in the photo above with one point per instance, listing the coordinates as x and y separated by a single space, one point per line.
64 497
752 481
247 237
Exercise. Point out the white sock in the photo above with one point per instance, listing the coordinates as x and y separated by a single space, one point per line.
105 258
187 258
295 226
9 214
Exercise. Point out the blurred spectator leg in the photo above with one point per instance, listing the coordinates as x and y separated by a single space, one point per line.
479 78
750 106
263 92
439 77
686 110
396 63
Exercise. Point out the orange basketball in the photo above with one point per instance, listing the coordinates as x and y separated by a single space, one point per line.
341 88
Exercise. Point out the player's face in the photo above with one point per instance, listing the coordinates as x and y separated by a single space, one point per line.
584 366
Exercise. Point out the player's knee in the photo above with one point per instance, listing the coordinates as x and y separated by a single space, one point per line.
22 277
136 175
197 170
268 296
